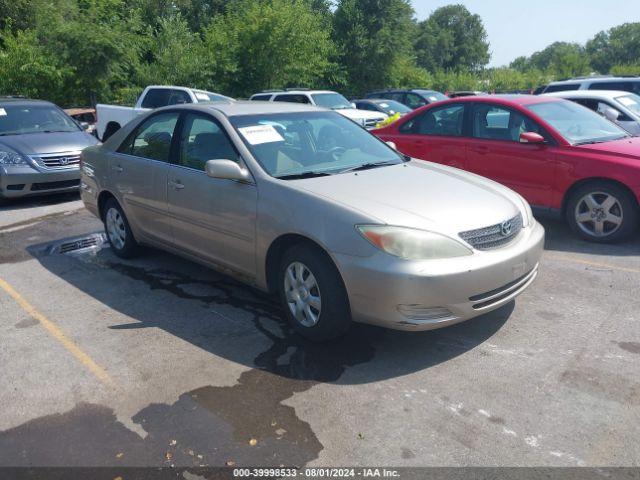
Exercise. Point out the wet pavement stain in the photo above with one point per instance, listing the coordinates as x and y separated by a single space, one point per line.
631 347
211 425
26 323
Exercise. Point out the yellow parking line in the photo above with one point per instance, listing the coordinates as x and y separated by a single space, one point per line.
57 333
595 264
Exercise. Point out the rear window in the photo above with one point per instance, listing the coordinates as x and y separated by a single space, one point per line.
292 98
161 97
625 86
566 87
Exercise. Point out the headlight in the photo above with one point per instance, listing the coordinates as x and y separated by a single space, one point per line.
412 244
12 158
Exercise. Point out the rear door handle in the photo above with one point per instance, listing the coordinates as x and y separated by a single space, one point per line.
176 184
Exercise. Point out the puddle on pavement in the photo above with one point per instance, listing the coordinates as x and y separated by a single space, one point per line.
217 423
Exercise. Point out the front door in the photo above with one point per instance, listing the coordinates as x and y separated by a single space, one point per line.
211 218
139 171
495 152
435 136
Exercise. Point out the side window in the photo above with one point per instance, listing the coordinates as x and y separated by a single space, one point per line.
178 96
414 101
153 138
203 139
624 86
261 98
562 88
586 102
492 122
156 98
442 121
397 96
365 106
292 98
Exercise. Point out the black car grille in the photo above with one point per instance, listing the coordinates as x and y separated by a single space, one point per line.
54 185
494 236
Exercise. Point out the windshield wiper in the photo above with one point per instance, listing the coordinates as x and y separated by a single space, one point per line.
369 166
298 176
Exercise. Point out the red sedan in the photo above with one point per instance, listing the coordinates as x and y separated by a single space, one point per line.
560 156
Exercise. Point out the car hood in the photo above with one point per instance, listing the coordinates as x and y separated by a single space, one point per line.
366 114
626 147
422 195
55 142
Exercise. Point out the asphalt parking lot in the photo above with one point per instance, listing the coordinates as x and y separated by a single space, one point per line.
158 361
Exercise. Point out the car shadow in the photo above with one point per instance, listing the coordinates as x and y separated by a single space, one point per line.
559 237
221 314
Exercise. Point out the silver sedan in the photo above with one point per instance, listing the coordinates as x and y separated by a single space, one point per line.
304 203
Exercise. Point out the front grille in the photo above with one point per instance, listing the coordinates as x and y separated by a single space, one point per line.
494 236
58 160
371 122
54 185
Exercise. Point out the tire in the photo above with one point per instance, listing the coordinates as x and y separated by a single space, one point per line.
110 130
118 230
322 320
602 212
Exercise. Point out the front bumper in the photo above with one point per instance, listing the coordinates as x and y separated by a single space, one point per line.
425 295
25 181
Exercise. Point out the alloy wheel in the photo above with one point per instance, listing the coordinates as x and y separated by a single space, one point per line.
599 214
302 294
115 228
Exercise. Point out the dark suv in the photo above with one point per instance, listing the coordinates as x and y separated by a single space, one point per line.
412 98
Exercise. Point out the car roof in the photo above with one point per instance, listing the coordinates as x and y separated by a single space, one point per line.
603 79
505 99
293 92
608 94
22 101
247 107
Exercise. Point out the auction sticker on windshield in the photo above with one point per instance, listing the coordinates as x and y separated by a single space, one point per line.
258 134
3 112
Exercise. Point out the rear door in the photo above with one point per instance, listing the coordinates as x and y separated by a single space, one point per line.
211 218
139 170
495 152
437 135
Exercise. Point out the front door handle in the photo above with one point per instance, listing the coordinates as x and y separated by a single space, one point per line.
118 169
177 185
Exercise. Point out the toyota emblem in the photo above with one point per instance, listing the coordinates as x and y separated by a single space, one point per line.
505 228
64 161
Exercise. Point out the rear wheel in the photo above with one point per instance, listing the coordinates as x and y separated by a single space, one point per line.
312 294
118 231
602 212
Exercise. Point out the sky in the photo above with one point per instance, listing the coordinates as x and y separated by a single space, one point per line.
522 27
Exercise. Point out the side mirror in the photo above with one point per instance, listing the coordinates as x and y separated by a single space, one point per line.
353 105
392 145
85 126
611 114
531 137
226 169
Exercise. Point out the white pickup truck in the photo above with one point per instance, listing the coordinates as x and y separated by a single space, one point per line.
112 117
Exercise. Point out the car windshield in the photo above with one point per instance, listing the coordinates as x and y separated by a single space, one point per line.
311 143
631 101
432 95
24 119
391 107
334 101
577 124
203 96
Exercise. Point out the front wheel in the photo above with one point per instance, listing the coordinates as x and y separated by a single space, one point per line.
312 294
602 212
118 230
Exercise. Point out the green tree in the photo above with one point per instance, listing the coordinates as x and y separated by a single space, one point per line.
452 38
260 44
560 59
372 36
617 46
